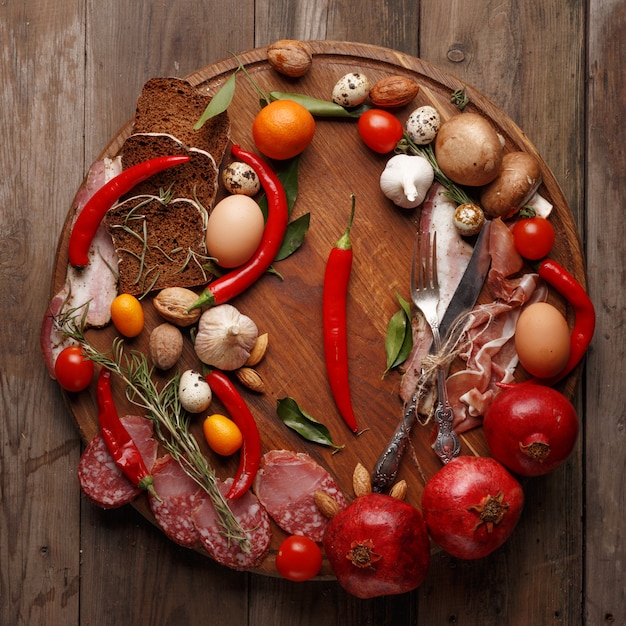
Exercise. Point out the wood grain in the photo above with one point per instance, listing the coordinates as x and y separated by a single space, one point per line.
71 71
289 309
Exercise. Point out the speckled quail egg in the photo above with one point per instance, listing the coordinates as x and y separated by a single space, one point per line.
423 125
468 219
194 392
351 90
240 178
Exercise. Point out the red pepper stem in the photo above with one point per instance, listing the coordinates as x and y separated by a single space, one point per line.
95 209
344 242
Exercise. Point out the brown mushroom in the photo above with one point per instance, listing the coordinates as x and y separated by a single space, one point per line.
515 184
469 150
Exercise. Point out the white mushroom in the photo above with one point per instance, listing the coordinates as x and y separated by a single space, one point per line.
351 90
406 180
423 125
194 392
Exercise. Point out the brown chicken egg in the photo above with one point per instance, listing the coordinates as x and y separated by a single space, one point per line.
542 340
234 230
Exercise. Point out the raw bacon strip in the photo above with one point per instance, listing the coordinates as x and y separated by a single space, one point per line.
285 485
251 516
95 284
101 480
179 494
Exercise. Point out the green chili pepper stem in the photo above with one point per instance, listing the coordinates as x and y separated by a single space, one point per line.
206 298
344 242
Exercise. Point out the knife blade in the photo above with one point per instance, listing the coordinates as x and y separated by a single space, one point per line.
464 298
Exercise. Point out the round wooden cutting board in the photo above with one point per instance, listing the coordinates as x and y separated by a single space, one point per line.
289 309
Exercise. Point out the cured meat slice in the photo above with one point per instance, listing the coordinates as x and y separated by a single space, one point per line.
285 485
101 480
178 495
253 519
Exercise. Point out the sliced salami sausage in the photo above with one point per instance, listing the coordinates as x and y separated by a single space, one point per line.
101 480
178 495
285 485
253 519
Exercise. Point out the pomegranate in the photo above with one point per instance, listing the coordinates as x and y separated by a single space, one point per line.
531 428
471 506
377 546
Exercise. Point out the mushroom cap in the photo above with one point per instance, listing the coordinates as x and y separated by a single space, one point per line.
518 179
469 150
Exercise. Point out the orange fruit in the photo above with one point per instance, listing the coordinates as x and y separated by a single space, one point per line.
127 315
222 434
283 129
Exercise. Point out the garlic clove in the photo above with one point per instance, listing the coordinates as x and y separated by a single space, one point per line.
225 337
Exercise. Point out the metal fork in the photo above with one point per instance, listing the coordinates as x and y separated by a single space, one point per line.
425 296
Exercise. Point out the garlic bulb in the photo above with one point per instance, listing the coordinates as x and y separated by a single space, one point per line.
406 180
225 337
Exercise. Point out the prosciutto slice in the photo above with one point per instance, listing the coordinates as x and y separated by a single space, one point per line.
251 516
490 354
101 480
285 484
93 287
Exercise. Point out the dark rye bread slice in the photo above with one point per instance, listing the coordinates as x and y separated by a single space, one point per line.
158 244
197 179
173 106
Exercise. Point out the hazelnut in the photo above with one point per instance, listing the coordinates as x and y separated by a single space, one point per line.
166 346
393 91
289 57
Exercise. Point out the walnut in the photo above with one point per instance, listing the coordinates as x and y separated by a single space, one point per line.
289 57
172 304
393 91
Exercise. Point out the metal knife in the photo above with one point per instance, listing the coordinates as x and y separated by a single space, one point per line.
463 300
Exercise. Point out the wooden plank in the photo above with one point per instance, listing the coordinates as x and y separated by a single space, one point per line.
605 561
40 66
501 50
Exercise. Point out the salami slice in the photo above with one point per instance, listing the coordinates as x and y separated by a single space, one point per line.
178 495
101 480
285 485
253 519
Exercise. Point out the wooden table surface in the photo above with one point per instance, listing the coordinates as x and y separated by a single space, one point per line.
70 73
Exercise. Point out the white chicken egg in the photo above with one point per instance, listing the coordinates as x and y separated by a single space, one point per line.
234 230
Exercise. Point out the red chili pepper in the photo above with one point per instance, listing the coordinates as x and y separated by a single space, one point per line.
559 278
235 282
334 315
120 444
94 211
236 406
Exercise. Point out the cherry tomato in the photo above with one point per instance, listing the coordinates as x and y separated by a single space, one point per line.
72 369
534 237
299 558
380 130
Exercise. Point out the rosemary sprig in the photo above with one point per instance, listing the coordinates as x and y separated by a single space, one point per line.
407 146
163 408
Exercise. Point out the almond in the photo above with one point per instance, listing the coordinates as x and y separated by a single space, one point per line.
398 491
328 506
361 481
251 379
172 304
393 91
258 350
289 57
